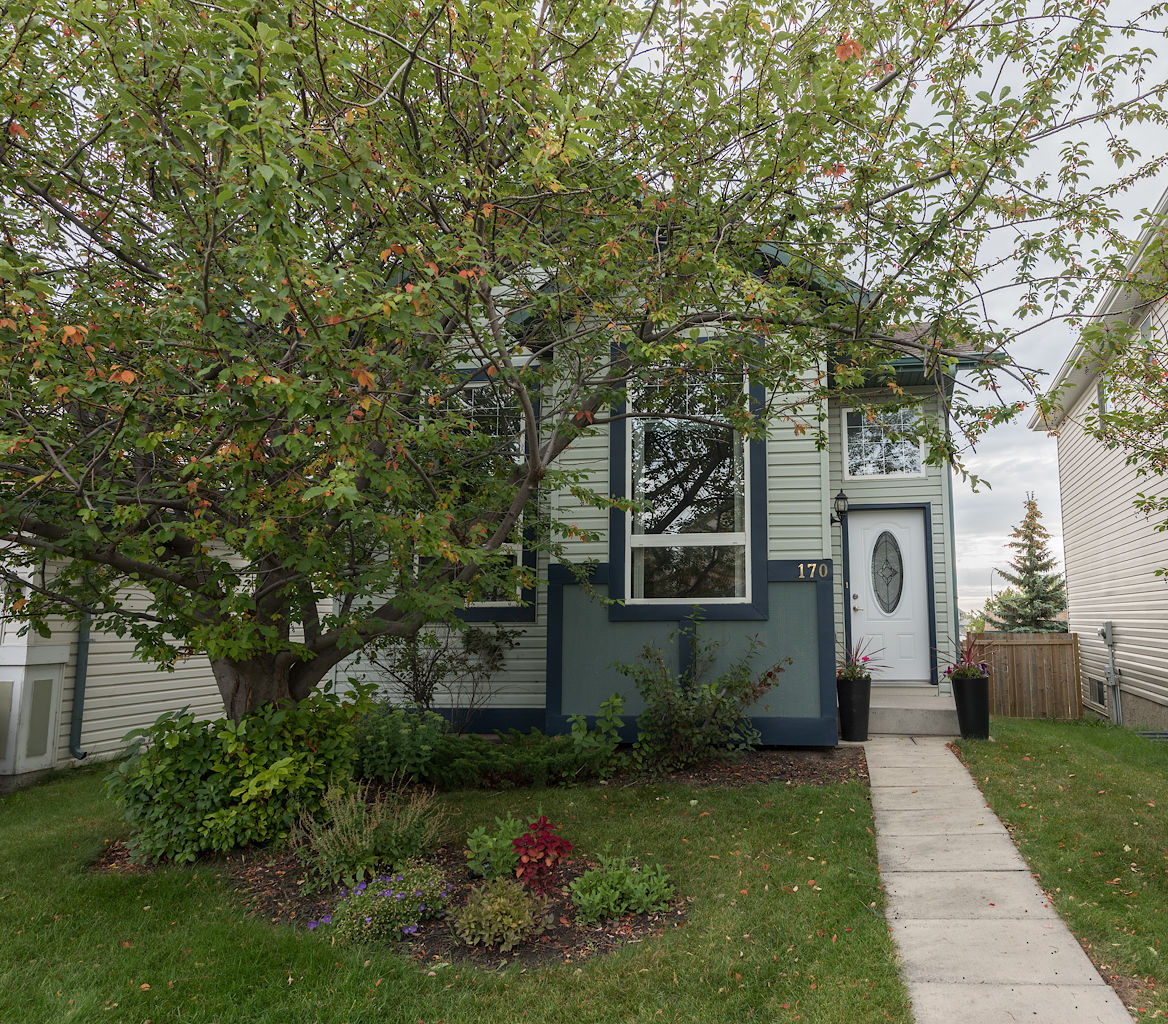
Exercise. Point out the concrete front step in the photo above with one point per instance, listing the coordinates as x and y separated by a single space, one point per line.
892 721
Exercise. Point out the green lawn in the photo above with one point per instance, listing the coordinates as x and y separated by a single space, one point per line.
1088 806
785 923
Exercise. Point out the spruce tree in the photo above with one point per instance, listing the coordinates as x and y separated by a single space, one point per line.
1037 593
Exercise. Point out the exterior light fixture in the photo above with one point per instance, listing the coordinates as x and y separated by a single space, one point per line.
841 507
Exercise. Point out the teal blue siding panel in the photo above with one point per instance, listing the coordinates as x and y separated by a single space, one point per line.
792 632
592 646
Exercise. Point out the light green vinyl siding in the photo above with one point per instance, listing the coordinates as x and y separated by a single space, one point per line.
587 454
796 516
123 693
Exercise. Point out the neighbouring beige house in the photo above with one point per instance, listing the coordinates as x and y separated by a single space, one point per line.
1118 605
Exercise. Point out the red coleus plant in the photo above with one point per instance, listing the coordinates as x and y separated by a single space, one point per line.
540 850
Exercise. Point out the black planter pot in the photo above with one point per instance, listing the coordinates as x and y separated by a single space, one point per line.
855 697
972 697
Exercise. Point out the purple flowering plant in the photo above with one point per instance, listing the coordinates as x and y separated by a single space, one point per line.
859 660
968 663
390 906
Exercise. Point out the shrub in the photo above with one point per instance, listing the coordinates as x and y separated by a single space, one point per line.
689 721
516 759
539 850
352 836
490 854
596 748
193 786
619 886
390 906
418 745
501 913
400 743
450 666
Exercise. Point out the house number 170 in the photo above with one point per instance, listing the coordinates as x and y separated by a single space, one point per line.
812 570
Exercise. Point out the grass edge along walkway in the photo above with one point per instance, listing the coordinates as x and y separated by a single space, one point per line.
786 922
1087 805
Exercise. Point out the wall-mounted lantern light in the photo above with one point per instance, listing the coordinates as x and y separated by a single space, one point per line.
841 507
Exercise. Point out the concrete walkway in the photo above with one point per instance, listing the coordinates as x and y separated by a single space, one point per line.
979 944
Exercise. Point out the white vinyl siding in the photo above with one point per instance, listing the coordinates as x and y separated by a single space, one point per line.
1111 553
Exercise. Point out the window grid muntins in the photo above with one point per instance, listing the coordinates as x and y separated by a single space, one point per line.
495 412
689 543
873 446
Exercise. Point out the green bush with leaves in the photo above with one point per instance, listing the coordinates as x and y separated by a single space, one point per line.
390 906
620 886
358 831
689 721
401 743
596 748
500 914
492 853
192 786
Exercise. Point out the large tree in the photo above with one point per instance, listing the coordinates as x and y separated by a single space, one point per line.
1037 592
258 263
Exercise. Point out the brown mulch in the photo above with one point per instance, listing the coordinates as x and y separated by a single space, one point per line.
271 883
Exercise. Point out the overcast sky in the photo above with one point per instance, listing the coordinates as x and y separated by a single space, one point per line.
1015 460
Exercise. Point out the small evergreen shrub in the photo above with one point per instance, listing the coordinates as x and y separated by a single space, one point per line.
688 721
500 914
516 759
193 786
409 743
353 835
390 906
618 887
490 854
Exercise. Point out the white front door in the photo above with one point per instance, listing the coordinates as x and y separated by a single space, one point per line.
887 596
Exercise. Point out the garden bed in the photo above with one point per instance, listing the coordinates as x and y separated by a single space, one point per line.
271 882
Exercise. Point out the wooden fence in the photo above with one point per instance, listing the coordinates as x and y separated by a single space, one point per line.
1032 675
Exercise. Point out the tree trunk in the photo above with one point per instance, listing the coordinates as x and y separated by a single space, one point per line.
245 685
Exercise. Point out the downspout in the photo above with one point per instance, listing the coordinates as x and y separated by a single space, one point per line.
946 687
77 719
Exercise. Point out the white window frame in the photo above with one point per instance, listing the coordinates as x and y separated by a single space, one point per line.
739 538
515 548
845 411
517 552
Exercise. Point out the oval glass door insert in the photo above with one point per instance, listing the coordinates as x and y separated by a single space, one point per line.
887 572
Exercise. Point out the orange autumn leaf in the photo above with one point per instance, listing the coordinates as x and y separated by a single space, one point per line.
363 377
15 129
847 48
123 377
